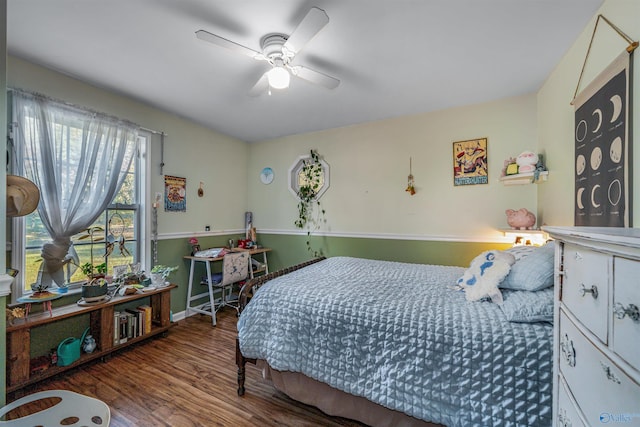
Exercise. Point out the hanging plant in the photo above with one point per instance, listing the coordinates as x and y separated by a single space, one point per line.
311 180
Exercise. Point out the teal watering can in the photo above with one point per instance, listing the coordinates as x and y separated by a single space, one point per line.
69 349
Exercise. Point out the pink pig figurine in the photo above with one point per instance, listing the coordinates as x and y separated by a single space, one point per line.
521 219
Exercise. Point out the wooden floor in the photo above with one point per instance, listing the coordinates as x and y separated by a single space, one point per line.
185 379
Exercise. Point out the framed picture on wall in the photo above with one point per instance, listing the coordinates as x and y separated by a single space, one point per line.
470 162
175 194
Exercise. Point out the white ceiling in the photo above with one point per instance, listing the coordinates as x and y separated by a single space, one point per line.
393 57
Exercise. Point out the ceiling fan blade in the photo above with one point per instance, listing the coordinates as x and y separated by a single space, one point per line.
315 77
261 86
313 22
228 44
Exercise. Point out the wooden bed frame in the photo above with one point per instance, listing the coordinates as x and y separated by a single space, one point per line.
245 293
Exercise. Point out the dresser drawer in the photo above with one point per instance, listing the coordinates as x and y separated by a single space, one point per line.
626 303
568 414
600 387
585 287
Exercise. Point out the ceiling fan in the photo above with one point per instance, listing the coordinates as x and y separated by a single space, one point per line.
279 50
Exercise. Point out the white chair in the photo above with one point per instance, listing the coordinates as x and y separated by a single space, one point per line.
235 268
72 409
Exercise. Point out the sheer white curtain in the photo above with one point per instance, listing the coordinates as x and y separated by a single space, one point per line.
78 159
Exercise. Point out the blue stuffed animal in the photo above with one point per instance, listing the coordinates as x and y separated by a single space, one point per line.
484 275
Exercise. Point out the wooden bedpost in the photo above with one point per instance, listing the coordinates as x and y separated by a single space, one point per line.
241 362
243 299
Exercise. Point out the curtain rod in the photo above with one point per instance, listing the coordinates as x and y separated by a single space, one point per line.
155 132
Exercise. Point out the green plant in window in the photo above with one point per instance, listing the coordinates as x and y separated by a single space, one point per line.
310 180
89 269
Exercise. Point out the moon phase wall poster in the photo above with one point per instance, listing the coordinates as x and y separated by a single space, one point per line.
603 149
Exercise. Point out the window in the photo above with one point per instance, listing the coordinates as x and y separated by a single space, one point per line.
297 178
77 146
120 224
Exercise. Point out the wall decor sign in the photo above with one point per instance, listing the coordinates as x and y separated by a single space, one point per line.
603 148
175 194
470 162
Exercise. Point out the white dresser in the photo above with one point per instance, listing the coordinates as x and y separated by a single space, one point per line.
597 326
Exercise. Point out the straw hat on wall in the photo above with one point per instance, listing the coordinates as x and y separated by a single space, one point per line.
22 196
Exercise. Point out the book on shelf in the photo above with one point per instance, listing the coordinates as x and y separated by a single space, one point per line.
147 317
116 327
123 328
137 318
131 325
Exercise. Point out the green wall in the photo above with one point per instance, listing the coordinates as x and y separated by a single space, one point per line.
292 249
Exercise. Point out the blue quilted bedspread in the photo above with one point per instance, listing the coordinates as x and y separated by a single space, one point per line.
396 334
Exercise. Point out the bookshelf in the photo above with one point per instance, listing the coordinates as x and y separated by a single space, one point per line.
101 323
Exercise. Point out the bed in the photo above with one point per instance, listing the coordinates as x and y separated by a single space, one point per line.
389 343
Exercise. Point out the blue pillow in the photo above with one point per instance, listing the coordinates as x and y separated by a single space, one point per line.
532 272
528 307
521 251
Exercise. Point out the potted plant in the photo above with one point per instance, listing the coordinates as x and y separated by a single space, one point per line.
96 287
94 271
159 274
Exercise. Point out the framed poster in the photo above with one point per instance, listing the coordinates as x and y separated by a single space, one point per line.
175 194
602 149
470 162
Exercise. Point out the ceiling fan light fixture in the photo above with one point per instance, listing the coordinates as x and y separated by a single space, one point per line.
278 78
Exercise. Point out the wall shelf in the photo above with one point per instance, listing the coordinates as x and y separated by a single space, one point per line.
535 237
523 178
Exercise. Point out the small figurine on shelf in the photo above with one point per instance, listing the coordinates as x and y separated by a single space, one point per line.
526 161
520 219
510 167
89 344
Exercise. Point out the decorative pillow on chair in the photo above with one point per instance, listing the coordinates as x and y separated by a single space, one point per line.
532 272
484 274
528 307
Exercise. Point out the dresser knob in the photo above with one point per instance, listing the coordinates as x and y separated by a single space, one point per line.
563 419
632 311
568 352
593 291
609 373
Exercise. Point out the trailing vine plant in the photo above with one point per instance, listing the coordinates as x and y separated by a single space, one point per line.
310 183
